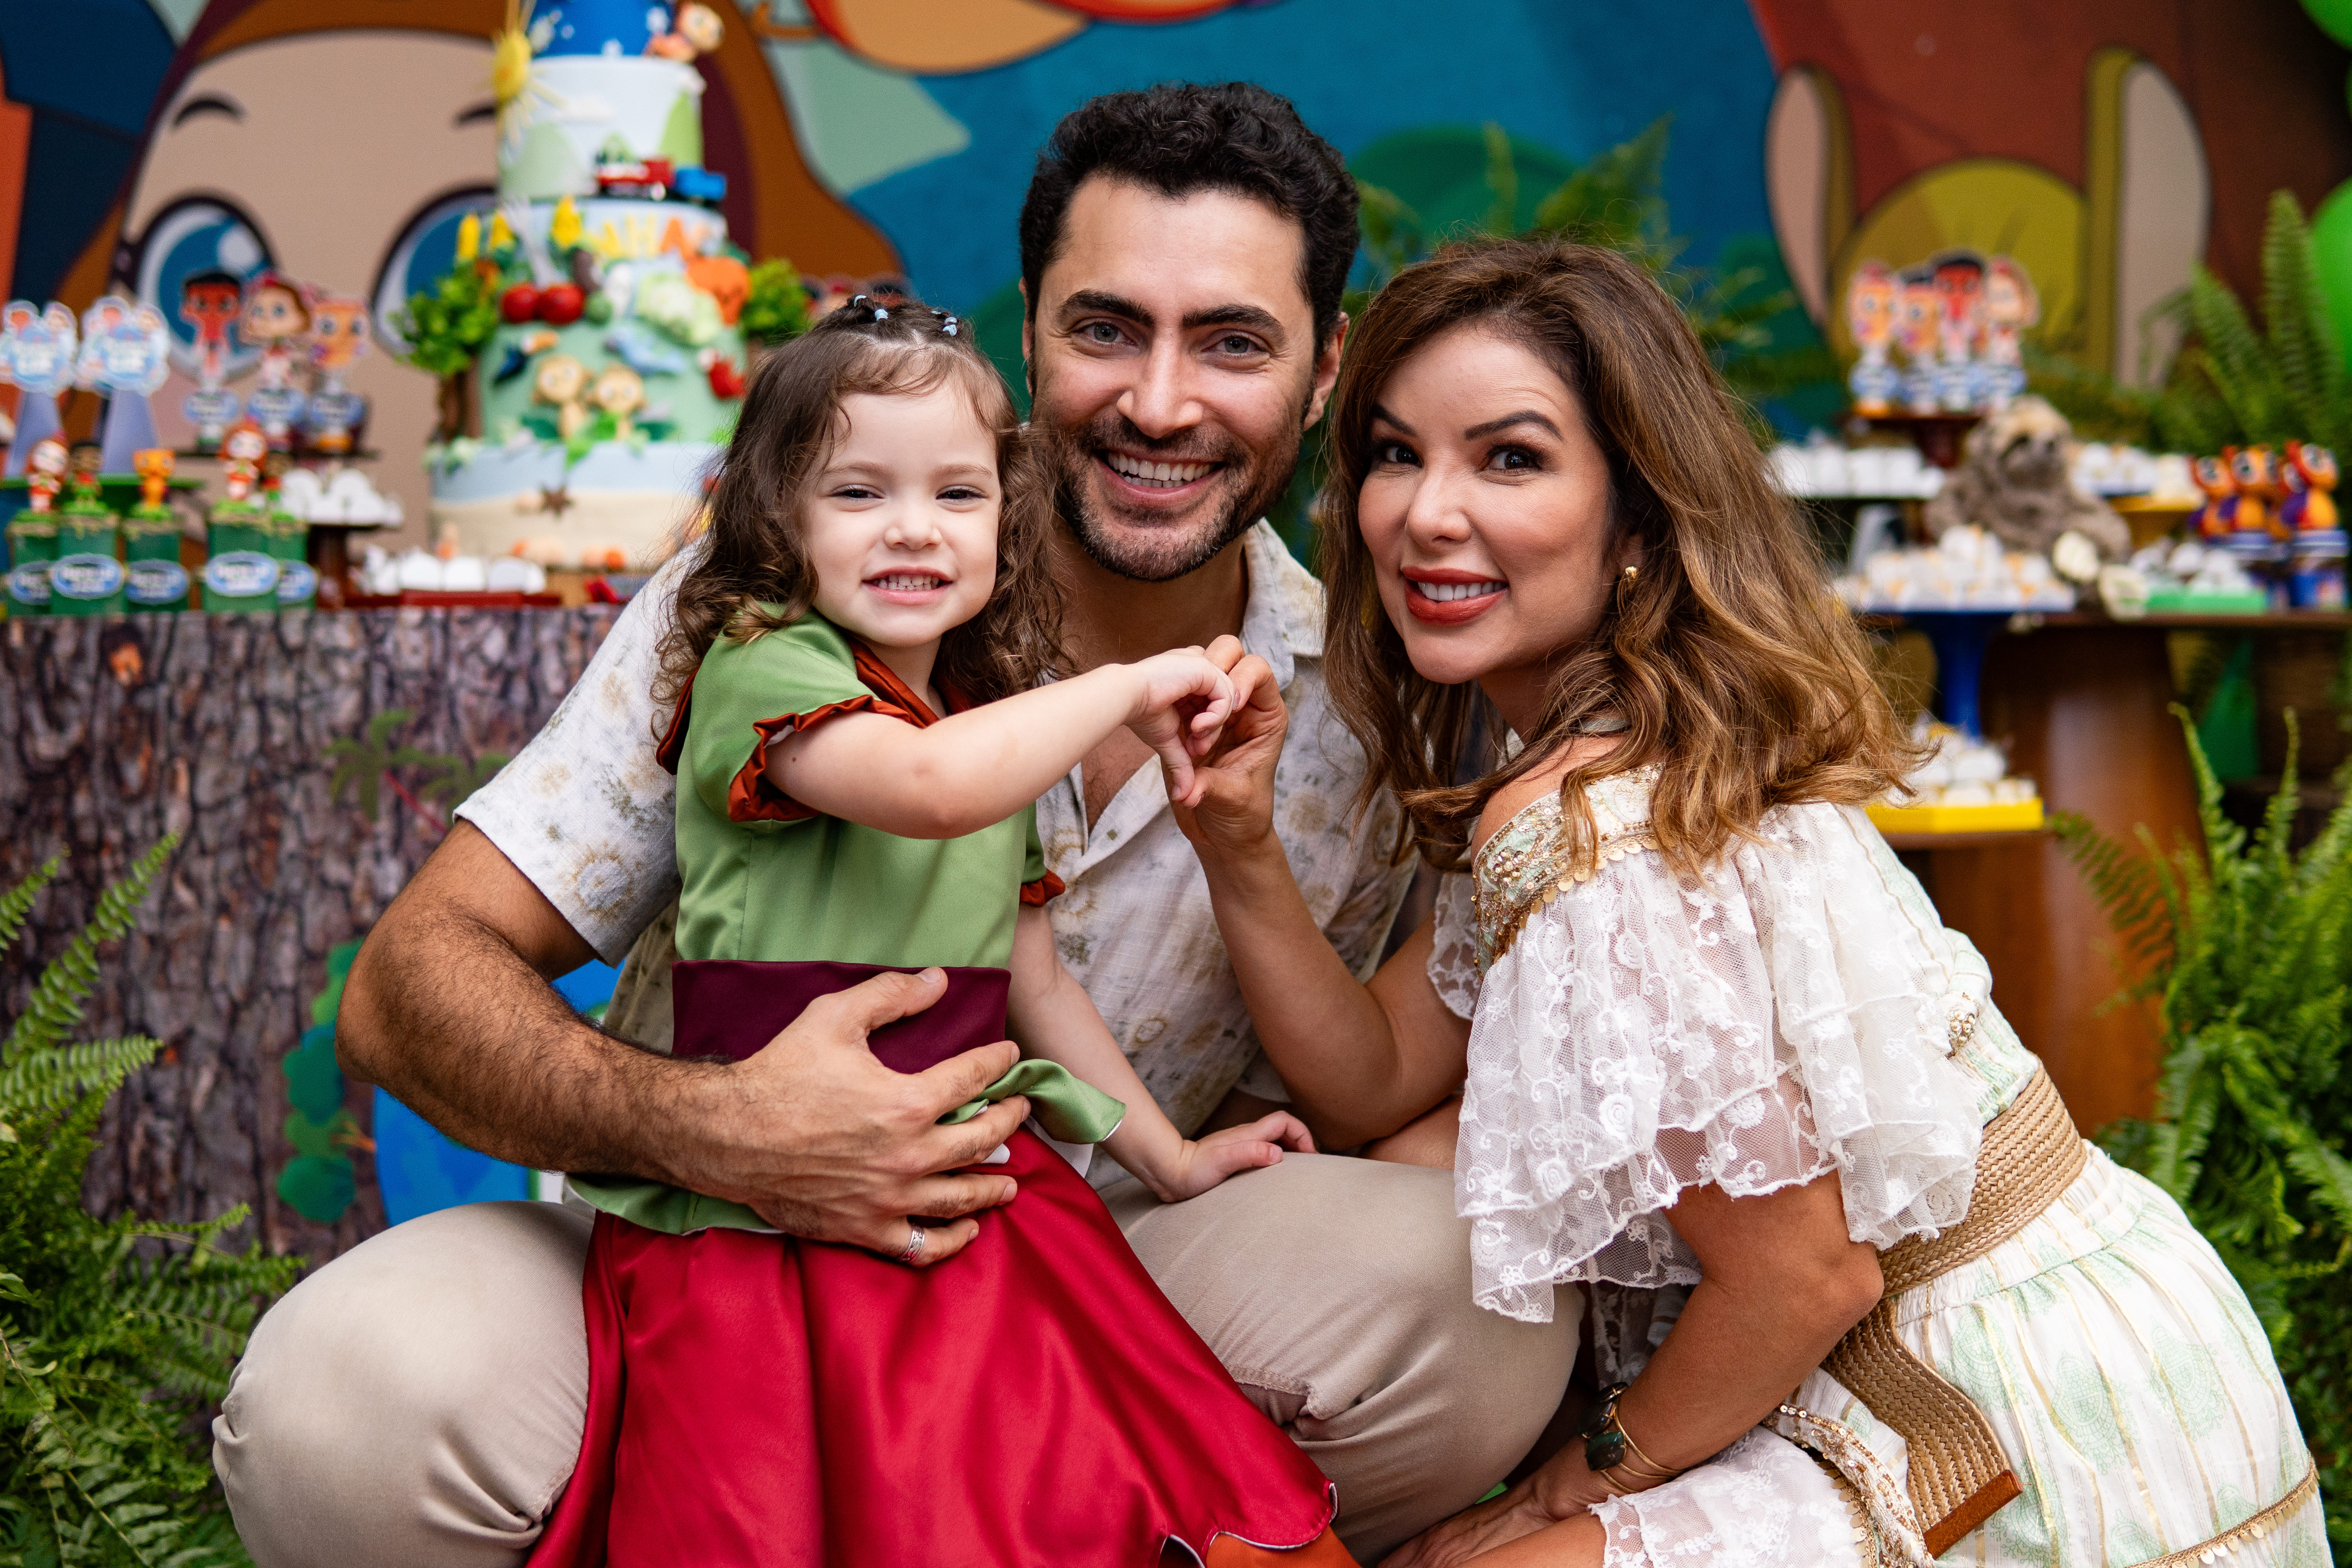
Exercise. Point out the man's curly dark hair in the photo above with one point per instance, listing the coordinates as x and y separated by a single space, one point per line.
1182 137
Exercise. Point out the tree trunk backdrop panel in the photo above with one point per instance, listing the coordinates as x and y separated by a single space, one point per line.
215 727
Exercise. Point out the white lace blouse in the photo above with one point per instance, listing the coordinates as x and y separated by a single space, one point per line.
1635 1031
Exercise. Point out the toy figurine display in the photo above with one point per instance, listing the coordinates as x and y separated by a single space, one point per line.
37 357
33 533
86 579
1959 320
126 354
339 335
1870 302
153 579
275 319
211 303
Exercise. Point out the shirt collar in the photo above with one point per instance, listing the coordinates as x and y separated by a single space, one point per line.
1283 621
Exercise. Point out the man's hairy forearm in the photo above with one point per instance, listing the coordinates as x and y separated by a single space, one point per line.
448 1007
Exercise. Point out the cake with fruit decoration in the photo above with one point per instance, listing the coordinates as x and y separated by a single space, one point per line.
617 365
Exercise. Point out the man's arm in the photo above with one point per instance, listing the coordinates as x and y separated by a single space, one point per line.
448 1007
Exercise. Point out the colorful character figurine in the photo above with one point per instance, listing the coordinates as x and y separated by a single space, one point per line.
2255 473
2010 306
2308 478
696 31
45 472
126 354
36 355
560 382
275 319
242 450
2214 520
619 393
1917 317
339 335
210 302
1958 277
154 468
1870 302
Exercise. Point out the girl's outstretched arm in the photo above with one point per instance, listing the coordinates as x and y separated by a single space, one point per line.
978 767
1051 1018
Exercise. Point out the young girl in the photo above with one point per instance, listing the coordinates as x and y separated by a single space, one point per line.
859 737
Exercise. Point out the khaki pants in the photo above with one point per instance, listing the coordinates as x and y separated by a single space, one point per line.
419 1401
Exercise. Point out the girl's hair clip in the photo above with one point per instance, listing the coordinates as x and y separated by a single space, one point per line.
859 301
949 326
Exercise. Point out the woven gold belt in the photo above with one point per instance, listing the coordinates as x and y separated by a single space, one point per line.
1959 1476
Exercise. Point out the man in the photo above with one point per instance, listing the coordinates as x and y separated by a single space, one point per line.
420 1399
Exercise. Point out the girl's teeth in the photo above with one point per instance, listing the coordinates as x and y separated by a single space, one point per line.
1444 592
906 584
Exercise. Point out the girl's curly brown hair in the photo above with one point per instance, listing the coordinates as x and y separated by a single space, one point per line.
755 576
1726 655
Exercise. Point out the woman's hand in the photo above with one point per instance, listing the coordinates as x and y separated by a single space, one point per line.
1202 1164
1182 700
1235 812
1475 1530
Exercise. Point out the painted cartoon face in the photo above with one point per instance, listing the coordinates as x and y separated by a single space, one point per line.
700 26
209 304
561 379
2254 469
2212 476
245 443
1870 302
49 456
1918 313
154 462
2315 466
339 333
619 390
273 313
2008 298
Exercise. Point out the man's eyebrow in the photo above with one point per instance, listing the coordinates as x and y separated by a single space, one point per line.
1249 316
1523 416
1381 416
1099 301
207 103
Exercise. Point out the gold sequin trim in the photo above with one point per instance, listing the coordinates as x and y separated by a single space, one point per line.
1866 1539
1538 874
2224 1546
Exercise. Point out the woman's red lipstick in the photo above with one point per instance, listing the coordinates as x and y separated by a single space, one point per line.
1451 610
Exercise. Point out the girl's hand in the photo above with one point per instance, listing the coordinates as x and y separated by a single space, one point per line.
1181 703
1199 1164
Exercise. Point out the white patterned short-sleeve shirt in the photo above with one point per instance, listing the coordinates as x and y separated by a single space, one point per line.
586 814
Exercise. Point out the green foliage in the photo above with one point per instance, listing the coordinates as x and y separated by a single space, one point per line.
114 1333
364 762
317 1182
2230 384
775 307
2247 950
445 328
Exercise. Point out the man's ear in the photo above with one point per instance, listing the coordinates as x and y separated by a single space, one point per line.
1327 371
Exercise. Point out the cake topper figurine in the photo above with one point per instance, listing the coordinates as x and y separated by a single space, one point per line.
36 355
126 354
154 468
210 302
620 393
1870 302
242 450
275 319
45 472
2009 307
561 383
1958 276
696 31
339 335
1918 314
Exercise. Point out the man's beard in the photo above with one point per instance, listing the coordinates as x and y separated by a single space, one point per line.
1249 484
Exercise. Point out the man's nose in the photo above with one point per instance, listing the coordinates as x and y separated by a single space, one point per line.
1162 399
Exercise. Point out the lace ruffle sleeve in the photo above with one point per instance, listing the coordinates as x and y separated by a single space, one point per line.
1781 1017
1453 955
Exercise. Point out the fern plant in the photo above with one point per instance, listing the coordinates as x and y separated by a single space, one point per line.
114 1333
2231 384
2247 949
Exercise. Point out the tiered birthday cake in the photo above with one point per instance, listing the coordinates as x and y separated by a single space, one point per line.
618 365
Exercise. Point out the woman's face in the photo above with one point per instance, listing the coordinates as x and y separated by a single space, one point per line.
1486 509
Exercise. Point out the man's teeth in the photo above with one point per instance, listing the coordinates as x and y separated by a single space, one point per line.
907 582
1444 592
1141 472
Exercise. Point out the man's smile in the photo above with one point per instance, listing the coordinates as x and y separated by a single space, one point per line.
1153 476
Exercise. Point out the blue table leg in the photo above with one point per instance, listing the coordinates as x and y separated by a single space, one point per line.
1960 638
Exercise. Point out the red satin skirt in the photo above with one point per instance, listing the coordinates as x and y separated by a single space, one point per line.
760 1400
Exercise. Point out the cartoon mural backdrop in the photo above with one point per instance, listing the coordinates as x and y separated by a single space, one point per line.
2106 144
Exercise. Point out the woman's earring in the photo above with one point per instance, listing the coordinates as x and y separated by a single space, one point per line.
1624 585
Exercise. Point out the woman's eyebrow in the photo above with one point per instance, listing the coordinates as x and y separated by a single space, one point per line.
1523 416
207 103
1382 417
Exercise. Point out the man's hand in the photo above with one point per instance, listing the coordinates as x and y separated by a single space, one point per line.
822 1140
1235 810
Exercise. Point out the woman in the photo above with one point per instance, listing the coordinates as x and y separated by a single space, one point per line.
1719 1063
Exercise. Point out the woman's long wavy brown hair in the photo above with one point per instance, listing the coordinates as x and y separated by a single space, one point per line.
1726 655
791 416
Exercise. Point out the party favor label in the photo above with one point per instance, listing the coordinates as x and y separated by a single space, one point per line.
241 574
154 584
29 585
298 584
84 578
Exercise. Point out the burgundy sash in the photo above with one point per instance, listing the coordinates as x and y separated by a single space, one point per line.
733 1007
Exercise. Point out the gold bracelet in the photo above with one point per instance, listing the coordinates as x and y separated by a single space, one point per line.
1651 1465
